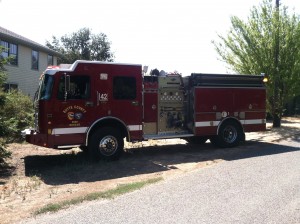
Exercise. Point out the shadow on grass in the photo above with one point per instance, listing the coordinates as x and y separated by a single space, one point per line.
70 168
5 172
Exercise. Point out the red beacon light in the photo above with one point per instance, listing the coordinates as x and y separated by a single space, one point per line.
53 67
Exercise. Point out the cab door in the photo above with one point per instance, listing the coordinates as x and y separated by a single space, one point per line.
73 112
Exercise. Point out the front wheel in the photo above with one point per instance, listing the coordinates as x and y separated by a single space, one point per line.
230 135
106 144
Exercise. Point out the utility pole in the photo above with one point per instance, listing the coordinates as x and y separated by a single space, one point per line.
276 99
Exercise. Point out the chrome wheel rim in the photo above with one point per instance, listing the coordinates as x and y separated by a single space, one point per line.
108 145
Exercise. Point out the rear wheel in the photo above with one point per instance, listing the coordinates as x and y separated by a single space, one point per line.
230 135
106 144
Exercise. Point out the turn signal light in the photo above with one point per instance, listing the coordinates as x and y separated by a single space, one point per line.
265 77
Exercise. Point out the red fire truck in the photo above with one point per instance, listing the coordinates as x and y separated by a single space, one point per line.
95 105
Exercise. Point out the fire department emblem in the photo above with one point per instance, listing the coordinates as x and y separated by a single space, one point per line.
70 116
78 116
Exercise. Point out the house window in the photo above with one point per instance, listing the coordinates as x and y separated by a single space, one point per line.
8 87
13 52
124 88
10 50
50 60
4 46
35 60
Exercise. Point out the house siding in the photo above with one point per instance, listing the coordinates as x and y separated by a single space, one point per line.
21 74
26 78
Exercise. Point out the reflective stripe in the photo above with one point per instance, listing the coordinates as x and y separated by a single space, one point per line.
207 123
63 131
134 127
216 123
254 121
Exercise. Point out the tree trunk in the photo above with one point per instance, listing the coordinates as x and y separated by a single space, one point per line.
276 121
276 104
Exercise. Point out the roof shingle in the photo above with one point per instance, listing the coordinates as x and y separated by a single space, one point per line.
8 35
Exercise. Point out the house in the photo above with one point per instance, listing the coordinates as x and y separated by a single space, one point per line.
30 59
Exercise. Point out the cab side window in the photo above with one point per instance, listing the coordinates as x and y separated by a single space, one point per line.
79 88
124 88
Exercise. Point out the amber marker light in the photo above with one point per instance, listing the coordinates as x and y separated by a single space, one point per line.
265 78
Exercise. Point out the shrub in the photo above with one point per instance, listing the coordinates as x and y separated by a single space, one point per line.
16 115
3 154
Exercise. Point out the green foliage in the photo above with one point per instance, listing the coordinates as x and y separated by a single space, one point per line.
250 47
82 45
3 153
16 115
2 94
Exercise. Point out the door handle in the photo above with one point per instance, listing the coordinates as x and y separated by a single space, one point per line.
89 104
135 103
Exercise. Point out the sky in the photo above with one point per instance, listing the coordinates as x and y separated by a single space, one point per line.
170 35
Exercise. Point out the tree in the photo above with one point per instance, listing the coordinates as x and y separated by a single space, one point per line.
269 42
82 45
3 152
16 114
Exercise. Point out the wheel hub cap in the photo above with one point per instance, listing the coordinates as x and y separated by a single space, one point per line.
230 134
108 145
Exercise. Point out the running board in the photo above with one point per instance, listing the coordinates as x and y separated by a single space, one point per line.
165 136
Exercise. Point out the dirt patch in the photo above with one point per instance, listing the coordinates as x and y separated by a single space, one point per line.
39 176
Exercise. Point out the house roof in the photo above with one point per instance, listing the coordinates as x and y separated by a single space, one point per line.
8 35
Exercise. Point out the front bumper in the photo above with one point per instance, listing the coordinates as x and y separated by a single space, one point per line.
32 137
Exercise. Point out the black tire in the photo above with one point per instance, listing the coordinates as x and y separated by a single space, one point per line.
214 140
230 135
196 140
83 148
106 144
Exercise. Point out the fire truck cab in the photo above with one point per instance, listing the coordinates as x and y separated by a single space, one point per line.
95 105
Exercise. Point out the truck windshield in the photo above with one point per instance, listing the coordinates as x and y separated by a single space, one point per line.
46 87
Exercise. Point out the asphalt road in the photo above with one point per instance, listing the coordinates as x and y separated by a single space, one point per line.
250 188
